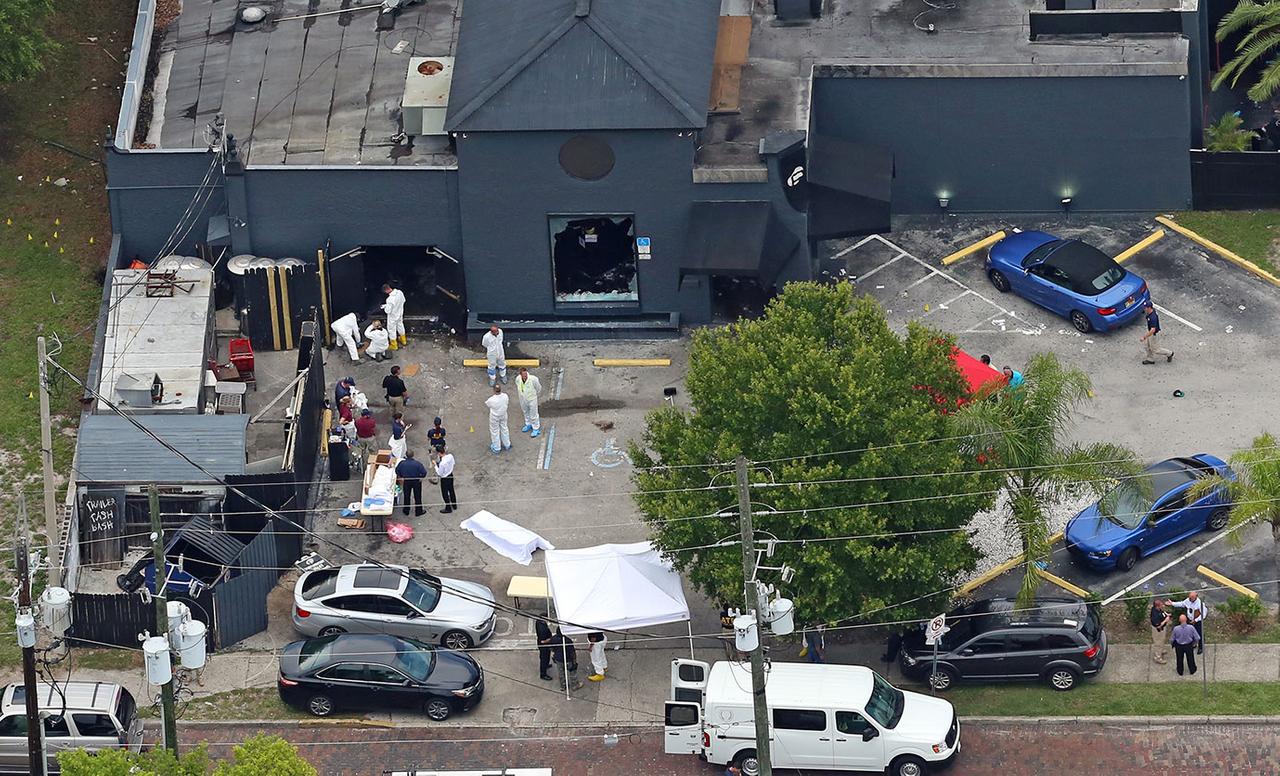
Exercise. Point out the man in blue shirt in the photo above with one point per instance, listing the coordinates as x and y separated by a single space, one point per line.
1014 380
342 388
1184 640
1150 339
411 472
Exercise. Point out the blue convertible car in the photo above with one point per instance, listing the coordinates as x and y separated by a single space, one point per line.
1147 513
1074 280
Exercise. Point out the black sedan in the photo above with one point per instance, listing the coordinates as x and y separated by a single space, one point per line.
378 671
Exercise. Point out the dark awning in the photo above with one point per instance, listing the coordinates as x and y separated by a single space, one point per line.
743 239
850 186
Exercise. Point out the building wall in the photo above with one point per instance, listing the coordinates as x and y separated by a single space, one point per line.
510 182
1020 144
149 193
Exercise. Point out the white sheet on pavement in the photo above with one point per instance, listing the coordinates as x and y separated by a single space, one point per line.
508 539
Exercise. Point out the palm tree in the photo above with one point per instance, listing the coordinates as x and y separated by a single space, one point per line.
1021 433
1254 494
1258 45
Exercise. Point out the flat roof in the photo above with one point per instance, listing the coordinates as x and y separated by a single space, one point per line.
319 90
158 335
861 38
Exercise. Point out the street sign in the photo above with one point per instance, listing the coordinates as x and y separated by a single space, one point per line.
935 629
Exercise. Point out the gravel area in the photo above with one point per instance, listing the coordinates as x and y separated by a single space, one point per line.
995 538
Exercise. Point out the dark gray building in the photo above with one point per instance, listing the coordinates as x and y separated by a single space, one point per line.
610 164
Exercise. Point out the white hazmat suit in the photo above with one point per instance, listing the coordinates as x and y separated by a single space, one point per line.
496 353
499 434
528 391
378 342
347 330
394 308
598 660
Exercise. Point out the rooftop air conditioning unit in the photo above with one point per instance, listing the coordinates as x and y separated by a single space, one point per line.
426 95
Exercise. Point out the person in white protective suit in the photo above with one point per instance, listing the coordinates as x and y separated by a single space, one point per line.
496 353
394 308
347 330
378 341
599 662
527 388
499 434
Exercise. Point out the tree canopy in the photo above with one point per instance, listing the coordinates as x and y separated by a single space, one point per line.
845 419
23 41
259 755
1254 494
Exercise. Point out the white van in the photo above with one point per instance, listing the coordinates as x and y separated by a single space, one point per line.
823 717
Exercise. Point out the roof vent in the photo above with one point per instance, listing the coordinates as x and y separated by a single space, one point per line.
426 95
583 8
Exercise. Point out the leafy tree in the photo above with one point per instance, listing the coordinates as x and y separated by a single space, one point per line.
1225 134
1022 433
24 45
1258 45
1255 492
835 407
259 755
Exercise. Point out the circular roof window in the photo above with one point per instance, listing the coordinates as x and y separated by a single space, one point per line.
586 157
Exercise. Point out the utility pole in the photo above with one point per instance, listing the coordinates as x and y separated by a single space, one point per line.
37 763
162 616
46 460
753 607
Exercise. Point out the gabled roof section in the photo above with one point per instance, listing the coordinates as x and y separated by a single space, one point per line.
583 64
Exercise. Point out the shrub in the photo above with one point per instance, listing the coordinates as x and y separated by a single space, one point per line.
1136 609
1226 134
1243 613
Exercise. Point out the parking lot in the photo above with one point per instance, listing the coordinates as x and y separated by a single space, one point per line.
1219 320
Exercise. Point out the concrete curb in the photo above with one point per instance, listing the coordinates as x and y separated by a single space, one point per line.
1230 256
1123 720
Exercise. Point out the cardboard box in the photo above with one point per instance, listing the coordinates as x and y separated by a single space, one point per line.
383 457
351 522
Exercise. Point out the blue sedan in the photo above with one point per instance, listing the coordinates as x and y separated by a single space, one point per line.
1147 513
1074 280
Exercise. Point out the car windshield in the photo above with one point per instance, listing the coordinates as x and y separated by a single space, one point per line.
1109 277
1128 503
1036 256
416 660
420 594
886 702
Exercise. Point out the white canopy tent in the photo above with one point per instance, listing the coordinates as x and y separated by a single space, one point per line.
614 587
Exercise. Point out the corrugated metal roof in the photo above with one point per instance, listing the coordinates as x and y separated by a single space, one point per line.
199 532
111 449
535 65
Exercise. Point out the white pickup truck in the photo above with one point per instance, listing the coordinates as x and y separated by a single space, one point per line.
823 717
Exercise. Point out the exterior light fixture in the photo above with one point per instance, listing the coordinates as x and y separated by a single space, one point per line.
1066 202
943 202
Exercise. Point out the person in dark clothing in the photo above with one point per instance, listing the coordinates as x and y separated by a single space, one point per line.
342 388
1160 624
1184 640
411 473
395 390
543 632
435 435
563 651
444 468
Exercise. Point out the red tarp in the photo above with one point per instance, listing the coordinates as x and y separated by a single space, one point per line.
976 373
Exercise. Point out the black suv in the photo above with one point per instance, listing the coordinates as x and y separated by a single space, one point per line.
1058 640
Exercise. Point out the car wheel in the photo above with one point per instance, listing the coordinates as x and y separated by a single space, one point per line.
438 709
320 705
747 763
1127 559
907 766
943 679
999 280
1062 679
330 630
456 640
1218 518
1081 322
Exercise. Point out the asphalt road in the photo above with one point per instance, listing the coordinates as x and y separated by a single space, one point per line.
1017 749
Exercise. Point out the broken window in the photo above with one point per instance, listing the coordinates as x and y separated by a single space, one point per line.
594 258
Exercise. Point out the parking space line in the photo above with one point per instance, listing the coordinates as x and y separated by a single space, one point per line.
1054 579
859 278
1222 580
945 305
855 246
1173 563
1177 317
921 280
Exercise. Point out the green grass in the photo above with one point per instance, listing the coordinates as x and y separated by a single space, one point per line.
107 659
251 703
1249 233
1268 634
1092 699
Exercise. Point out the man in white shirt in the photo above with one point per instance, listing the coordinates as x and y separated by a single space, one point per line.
347 330
378 341
444 469
394 308
499 434
1196 610
527 388
496 354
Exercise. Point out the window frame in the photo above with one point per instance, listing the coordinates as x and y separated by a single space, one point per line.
773 719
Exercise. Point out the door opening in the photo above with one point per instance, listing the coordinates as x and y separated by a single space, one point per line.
432 285
594 258
737 297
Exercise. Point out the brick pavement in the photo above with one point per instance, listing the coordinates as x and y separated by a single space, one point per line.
1067 747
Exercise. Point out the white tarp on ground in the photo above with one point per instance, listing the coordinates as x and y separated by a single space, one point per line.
615 587
508 539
